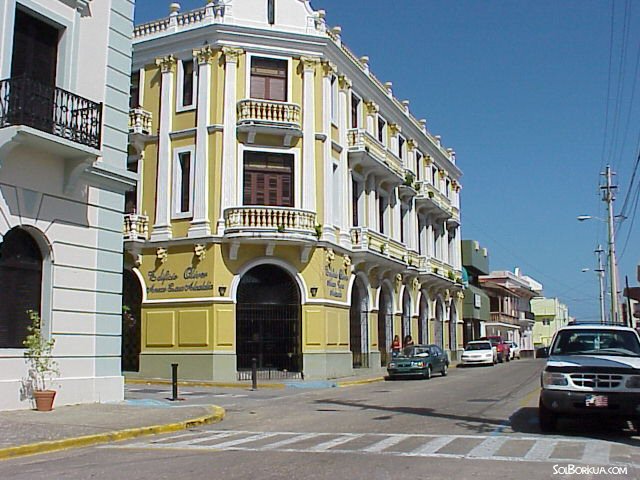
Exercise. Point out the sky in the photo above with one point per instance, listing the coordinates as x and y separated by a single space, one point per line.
535 97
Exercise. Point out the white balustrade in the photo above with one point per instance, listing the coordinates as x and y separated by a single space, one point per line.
136 227
265 111
280 219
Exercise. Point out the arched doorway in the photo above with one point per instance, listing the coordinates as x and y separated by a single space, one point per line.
406 314
385 321
438 331
20 285
131 322
423 320
359 325
453 320
268 322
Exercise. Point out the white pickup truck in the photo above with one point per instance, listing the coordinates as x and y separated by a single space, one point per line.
591 370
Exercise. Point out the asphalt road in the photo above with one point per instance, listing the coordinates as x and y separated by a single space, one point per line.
475 423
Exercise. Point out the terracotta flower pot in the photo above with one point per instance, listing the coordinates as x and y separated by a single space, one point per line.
44 400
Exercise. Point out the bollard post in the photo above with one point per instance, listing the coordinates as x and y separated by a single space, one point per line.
174 381
254 374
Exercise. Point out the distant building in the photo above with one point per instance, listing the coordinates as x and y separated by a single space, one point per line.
550 315
64 80
510 294
475 262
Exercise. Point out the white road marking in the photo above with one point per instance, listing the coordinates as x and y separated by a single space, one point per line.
433 446
488 447
596 453
334 443
384 443
541 450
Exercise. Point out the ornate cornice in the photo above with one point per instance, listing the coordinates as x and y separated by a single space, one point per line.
394 129
344 83
167 64
231 54
310 63
372 107
328 68
204 55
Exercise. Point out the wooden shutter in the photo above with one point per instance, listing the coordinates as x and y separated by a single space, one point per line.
268 179
269 79
35 49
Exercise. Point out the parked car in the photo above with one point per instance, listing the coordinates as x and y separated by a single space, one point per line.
501 346
593 370
514 350
419 360
542 352
479 352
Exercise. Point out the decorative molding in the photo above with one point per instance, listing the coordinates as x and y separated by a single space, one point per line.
231 54
394 129
344 83
372 107
200 251
329 256
411 144
398 282
167 64
346 262
310 63
328 68
204 55
162 254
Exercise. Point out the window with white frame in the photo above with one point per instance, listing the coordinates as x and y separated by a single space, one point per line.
183 176
419 158
356 103
185 92
357 202
383 207
401 147
382 130
269 79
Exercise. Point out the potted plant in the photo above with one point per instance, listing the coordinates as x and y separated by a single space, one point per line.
42 367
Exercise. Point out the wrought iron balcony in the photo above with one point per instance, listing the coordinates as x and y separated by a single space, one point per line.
24 101
136 227
274 220
266 116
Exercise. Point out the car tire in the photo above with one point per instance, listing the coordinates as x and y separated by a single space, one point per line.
427 375
547 420
444 370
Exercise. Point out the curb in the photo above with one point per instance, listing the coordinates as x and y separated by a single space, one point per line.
216 415
348 383
193 383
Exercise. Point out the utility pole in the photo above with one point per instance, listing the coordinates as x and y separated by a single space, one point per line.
608 196
600 271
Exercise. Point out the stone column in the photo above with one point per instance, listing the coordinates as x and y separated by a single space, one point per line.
162 225
200 224
328 232
372 111
395 206
309 65
372 210
343 169
229 145
394 130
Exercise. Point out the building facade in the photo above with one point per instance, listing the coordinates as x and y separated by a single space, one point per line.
63 140
289 208
550 315
475 262
510 294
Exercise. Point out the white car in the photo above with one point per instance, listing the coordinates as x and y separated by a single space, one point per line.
479 352
514 350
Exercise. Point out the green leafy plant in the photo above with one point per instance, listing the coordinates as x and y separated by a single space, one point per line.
43 368
318 229
280 228
435 270
431 194
451 276
409 178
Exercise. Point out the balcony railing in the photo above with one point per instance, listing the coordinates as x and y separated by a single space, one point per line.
24 101
499 317
275 219
360 140
269 113
136 227
139 121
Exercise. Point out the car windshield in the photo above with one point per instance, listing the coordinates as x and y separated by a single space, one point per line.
415 352
596 342
479 346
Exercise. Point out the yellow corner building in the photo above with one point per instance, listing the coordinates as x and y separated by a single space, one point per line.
289 209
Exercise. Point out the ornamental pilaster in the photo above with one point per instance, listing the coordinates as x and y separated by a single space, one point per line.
231 54
204 55
372 108
394 129
167 64
411 145
344 83
309 64
328 68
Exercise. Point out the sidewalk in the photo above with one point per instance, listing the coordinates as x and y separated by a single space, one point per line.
27 432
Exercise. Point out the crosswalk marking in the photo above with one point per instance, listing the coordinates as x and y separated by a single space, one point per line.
385 443
488 447
432 446
596 453
334 443
541 450
485 446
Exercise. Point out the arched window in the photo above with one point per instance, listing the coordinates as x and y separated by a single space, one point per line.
20 285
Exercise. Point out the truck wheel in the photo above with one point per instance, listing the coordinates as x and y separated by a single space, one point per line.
547 420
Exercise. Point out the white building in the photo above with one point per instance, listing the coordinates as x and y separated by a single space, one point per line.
64 85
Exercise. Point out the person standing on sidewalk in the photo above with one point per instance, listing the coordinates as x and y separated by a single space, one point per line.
395 346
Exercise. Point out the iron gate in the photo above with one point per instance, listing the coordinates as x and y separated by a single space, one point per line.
270 334
131 320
